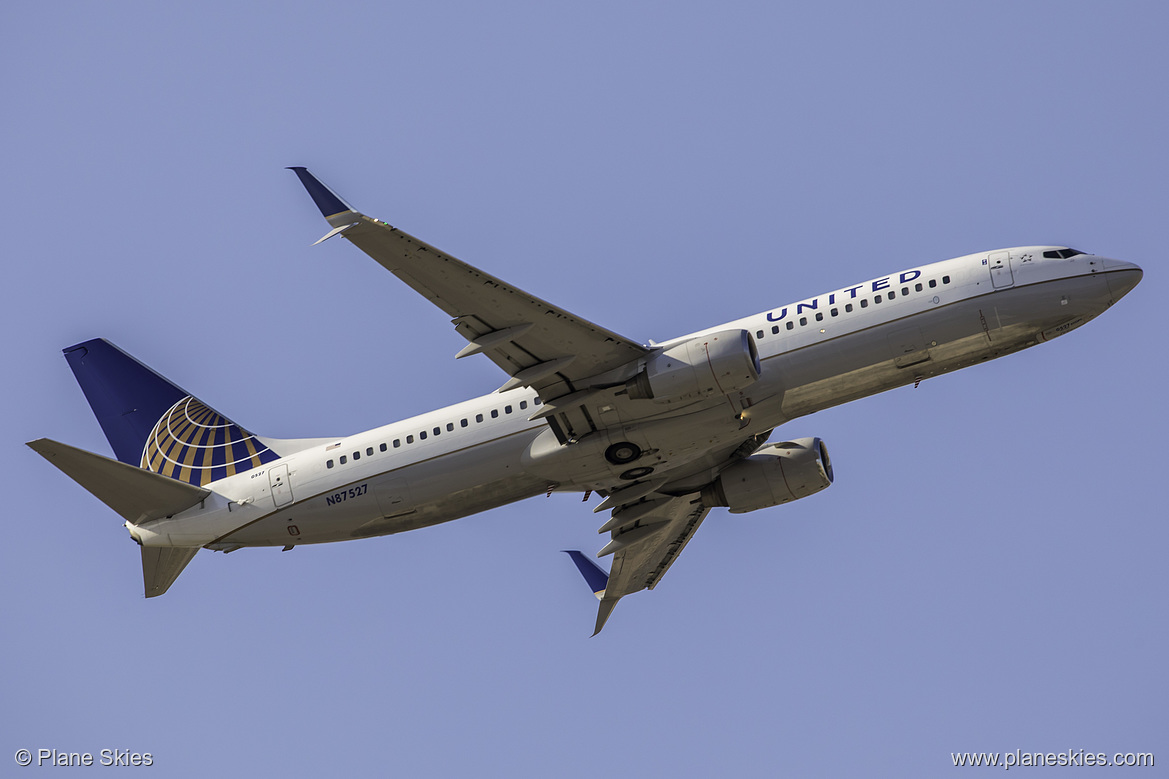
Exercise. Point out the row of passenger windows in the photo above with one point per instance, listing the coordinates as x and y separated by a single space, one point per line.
424 434
848 307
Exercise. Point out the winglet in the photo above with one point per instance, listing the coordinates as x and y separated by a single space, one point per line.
598 581
333 208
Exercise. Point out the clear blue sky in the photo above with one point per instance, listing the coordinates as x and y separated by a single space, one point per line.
988 573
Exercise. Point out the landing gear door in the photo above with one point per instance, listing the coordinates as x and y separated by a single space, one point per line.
281 487
1001 275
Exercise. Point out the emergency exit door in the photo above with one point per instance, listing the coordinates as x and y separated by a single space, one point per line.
281 488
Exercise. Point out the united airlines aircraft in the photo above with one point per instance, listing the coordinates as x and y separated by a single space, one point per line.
664 432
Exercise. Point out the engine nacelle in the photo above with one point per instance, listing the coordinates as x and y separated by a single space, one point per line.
774 475
714 364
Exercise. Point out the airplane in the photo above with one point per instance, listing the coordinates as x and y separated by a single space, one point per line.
663 432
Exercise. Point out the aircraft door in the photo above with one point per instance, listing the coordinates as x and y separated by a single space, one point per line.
1001 275
281 486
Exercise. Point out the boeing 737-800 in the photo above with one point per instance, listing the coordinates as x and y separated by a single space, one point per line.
664 432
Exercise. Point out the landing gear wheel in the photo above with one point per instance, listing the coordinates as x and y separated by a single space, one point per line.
636 473
623 452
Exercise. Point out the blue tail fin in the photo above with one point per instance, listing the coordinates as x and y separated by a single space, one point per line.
152 424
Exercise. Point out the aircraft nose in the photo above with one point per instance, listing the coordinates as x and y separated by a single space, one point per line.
1121 276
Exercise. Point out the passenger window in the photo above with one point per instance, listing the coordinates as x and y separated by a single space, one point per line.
450 426
523 404
356 456
945 279
494 413
507 409
775 329
803 321
397 443
409 439
864 302
758 333
343 460
819 316
369 451
933 283
835 312
538 401
478 417
848 308
905 290
422 435
437 430
462 423
876 299
892 295
328 463
917 287
383 447
791 325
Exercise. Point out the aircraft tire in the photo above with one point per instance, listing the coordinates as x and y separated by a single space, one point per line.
622 452
636 473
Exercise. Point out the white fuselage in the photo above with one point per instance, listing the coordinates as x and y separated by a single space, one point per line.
815 353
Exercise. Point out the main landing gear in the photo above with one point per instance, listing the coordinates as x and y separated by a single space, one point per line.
623 452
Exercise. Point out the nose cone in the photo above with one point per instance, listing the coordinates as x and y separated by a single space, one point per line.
1122 277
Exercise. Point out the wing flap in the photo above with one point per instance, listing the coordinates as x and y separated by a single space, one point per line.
653 544
483 306
642 565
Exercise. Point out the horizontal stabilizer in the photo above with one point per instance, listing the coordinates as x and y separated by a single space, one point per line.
162 565
136 494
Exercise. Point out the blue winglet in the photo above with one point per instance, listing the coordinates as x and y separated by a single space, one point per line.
597 579
325 198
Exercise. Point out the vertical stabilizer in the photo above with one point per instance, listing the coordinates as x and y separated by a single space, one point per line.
162 565
153 424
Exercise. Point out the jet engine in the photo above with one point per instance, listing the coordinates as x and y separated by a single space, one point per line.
717 363
776 474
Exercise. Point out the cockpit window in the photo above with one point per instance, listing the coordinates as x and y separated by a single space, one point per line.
1061 254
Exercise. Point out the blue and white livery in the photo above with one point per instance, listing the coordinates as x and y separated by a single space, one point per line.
663 432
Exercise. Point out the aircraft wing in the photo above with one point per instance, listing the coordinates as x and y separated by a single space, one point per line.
646 539
536 343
